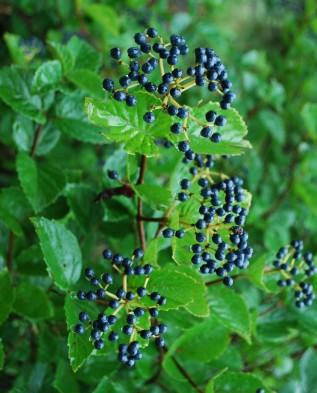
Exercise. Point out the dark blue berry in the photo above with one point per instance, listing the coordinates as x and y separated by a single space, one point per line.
115 53
182 196
138 312
220 121
168 233
149 117
131 100
127 329
113 336
108 84
81 295
114 304
153 312
151 32
119 96
216 137
80 329
131 319
228 281
99 344
159 342
179 233
182 113
112 319
107 254
183 146
141 291
176 128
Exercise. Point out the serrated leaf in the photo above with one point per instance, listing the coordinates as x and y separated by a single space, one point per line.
12 41
235 381
47 76
42 183
231 311
307 367
72 121
203 343
64 380
83 54
177 287
309 114
233 142
31 302
10 222
274 124
15 91
105 16
126 124
157 197
255 272
63 53
79 346
61 251
23 133
7 295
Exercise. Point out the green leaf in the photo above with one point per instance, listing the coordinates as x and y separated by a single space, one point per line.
126 124
273 123
232 133
31 302
47 76
234 382
231 310
255 272
10 221
72 121
106 385
309 114
307 368
105 16
81 200
15 91
64 380
1 355
23 133
79 346
151 252
7 295
88 81
42 183
202 343
177 287
61 251
12 41
63 54
157 197
210 385
84 55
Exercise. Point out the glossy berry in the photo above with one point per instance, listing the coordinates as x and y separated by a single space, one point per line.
127 329
131 100
141 291
228 281
168 233
134 52
119 96
108 84
149 117
159 342
89 272
113 336
80 329
107 254
176 128
99 344
151 32
179 233
115 53
112 174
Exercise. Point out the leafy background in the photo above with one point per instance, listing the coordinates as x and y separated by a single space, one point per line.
53 162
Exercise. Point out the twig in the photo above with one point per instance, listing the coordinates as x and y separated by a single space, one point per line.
10 251
36 140
140 204
125 190
187 376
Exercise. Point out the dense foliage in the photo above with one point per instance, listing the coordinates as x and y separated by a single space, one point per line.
127 228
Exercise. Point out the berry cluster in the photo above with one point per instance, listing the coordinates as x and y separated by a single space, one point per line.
220 246
137 304
153 54
296 267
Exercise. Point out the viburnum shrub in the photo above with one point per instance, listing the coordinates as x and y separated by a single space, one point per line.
153 265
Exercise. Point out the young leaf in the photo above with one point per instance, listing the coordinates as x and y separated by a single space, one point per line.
15 91
64 380
12 41
7 295
232 133
31 302
47 76
231 310
126 124
307 367
41 183
84 55
88 81
63 53
310 118
61 251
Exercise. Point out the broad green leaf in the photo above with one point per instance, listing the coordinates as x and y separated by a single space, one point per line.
84 55
30 261
79 346
48 139
72 121
23 133
202 343
255 272
210 385
157 197
31 302
199 306
232 133
47 76
151 252
309 114
106 385
7 295
15 91
88 81
276 326
178 288
1 355
63 53
307 367
12 41
42 183
238 382
81 200
231 310
307 318
13 200
105 16
61 251
274 124
64 380
10 221
126 124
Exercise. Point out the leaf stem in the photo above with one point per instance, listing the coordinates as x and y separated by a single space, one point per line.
140 204
186 375
36 140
